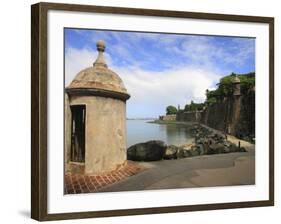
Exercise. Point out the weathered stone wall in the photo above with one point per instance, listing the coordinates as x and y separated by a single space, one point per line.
234 115
219 115
170 117
246 124
67 129
190 116
105 134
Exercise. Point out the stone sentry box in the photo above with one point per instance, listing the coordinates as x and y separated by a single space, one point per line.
95 119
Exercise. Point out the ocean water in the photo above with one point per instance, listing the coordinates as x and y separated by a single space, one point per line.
172 134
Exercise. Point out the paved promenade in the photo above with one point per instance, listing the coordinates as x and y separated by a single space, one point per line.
201 171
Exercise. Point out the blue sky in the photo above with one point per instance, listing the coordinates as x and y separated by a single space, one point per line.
160 69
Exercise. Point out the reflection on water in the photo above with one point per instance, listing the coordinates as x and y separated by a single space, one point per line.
141 131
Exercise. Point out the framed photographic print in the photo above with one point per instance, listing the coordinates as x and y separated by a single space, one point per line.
140 111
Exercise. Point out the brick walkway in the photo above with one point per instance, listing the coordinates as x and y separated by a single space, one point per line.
78 183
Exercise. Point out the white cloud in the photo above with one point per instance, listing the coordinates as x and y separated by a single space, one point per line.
189 65
78 59
201 49
159 89
150 92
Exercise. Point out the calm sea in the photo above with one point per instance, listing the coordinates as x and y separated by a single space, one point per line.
172 134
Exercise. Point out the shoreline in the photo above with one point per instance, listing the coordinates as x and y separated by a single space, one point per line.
233 139
173 122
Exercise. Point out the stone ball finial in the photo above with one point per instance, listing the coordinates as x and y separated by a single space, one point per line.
100 45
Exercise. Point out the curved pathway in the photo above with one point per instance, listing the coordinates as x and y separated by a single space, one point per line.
201 171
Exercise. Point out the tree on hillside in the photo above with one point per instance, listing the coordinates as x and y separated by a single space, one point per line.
194 106
171 110
225 87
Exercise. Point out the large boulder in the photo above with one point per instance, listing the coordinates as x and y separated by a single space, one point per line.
183 152
235 148
200 149
216 148
219 137
200 140
188 146
146 151
195 150
171 152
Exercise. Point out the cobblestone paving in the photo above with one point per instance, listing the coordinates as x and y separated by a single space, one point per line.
79 183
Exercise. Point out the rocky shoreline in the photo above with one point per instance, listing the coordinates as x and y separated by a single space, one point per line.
207 142
189 123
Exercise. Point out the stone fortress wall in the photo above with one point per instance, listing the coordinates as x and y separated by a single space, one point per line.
169 117
190 116
233 115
